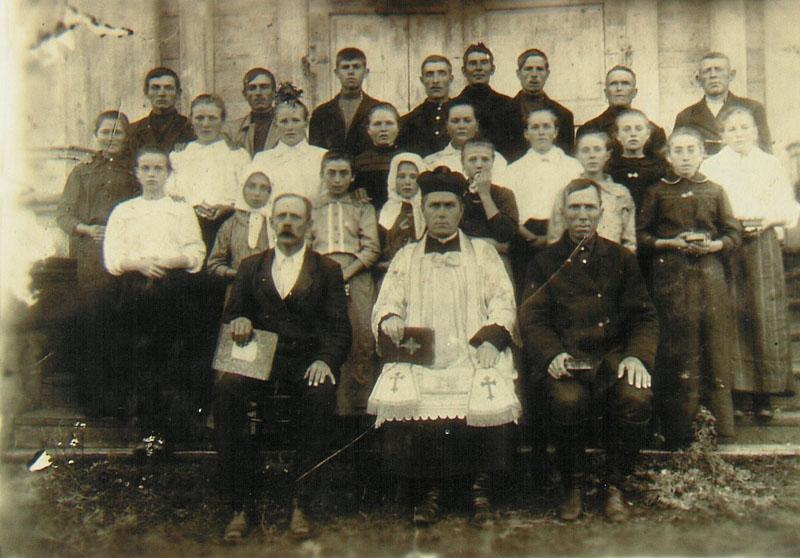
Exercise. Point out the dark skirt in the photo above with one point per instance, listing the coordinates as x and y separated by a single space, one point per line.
444 448
763 364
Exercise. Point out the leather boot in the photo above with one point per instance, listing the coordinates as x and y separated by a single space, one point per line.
426 512
571 506
614 508
483 515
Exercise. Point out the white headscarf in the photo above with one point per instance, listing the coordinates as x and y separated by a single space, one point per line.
257 217
391 209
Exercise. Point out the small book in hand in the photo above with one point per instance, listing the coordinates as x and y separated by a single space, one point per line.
416 347
253 360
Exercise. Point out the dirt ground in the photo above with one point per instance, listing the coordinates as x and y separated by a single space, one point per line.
695 505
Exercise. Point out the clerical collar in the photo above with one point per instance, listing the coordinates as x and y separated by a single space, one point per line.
436 246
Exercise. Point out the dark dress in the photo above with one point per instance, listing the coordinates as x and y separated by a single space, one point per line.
605 121
495 113
372 171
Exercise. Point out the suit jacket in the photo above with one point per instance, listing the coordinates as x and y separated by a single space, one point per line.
566 123
143 133
605 121
600 310
424 130
241 132
699 116
311 322
327 127
496 113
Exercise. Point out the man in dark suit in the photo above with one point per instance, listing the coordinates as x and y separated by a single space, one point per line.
715 75
256 131
163 127
590 334
533 69
341 123
424 130
496 112
620 90
299 295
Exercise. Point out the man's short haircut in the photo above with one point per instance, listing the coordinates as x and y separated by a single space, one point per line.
548 110
477 47
607 141
620 67
630 112
208 99
714 55
152 150
119 117
532 52
430 59
727 112
383 106
252 73
350 53
158 72
305 200
687 131
477 142
335 155
579 184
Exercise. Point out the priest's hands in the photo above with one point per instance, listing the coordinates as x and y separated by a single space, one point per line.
558 366
638 376
487 355
317 373
393 327
241 330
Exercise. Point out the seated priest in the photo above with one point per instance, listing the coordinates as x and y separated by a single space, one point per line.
444 320
590 334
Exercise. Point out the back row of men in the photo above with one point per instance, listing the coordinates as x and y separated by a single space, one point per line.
341 123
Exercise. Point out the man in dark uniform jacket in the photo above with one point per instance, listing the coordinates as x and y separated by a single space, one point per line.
163 127
715 75
300 295
495 111
533 69
620 91
341 123
590 331
256 131
424 130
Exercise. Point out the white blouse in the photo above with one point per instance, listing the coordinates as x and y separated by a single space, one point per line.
292 169
162 228
757 185
537 179
207 173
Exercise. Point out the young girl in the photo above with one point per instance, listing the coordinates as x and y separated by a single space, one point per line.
633 168
293 164
152 244
206 172
371 167
246 232
617 222
763 201
346 230
688 223
401 220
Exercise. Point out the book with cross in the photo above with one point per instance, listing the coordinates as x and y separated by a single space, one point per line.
416 347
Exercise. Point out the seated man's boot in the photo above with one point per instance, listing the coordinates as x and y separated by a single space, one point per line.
426 512
571 506
236 528
299 526
483 515
614 508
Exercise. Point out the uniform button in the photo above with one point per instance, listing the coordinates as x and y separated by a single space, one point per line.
600 324
438 117
599 295
584 261
436 133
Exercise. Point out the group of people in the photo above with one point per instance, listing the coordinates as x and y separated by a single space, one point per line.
439 271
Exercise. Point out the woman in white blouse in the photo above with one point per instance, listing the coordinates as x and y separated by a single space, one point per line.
763 200
206 174
292 165
152 244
